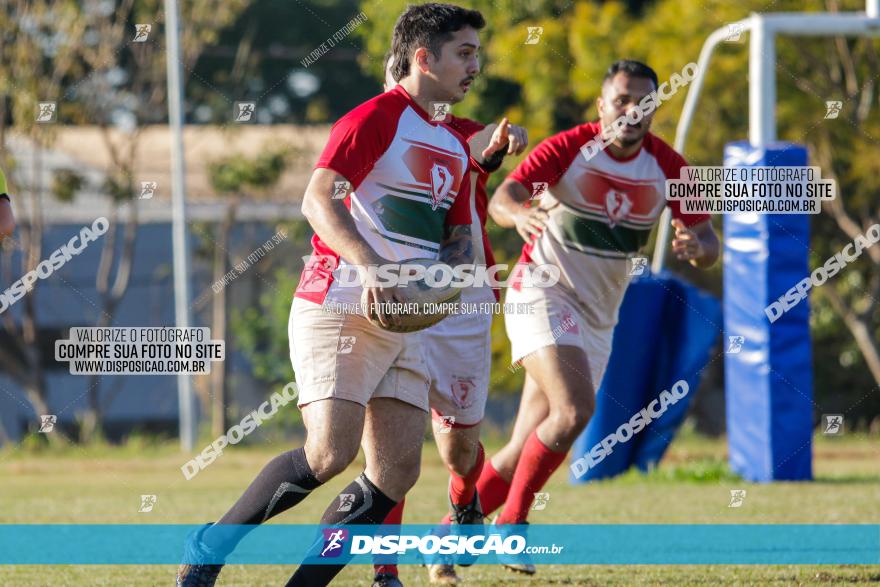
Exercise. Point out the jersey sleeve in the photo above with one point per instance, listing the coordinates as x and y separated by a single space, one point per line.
460 211
465 129
672 163
546 163
465 126
357 141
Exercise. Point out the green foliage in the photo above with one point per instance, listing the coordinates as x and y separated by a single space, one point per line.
118 189
260 332
234 174
269 40
65 184
706 470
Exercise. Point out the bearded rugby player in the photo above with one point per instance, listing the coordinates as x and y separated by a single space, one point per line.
594 214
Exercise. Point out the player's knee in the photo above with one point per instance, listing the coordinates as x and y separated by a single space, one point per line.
584 408
574 418
328 461
460 457
396 480
408 480
506 459
405 472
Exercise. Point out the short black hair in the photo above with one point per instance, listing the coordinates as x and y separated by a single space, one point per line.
630 68
427 25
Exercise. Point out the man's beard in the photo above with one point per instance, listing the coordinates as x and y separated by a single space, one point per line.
629 142
626 141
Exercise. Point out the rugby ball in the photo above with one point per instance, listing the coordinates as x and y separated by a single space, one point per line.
427 296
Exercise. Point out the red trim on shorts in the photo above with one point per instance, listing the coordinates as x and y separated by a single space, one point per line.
317 275
516 276
438 417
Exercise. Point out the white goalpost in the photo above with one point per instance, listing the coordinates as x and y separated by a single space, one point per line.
763 30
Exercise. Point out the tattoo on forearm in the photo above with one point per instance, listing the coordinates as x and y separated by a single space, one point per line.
457 247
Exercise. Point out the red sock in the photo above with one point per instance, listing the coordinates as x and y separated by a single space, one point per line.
462 489
492 489
394 518
536 464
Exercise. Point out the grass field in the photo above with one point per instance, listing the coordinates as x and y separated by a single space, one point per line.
692 485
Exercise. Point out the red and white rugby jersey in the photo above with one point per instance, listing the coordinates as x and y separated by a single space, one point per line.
409 179
480 202
601 213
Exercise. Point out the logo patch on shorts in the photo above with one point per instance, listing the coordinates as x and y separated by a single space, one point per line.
463 391
568 323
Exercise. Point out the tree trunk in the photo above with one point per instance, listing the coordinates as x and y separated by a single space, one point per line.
860 330
111 297
35 389
219 371
92 423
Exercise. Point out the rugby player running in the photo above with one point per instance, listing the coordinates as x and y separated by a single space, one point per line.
594 213
458 349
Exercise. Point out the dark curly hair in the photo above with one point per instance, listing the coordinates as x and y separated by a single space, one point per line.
427 25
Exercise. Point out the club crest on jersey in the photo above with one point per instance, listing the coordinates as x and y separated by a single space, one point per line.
441 184
617 206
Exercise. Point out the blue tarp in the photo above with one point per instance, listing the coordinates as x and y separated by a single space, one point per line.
665 334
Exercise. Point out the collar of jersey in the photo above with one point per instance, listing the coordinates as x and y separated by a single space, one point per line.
402 92
628 158
596 129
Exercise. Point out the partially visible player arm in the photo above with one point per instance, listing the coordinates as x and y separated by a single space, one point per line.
457 246
507 209
697 244
510 206
333 224
694 240
7 220
332 221
490 145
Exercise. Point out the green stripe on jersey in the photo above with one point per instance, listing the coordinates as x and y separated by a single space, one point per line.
413 244
424 196
595 234
410 218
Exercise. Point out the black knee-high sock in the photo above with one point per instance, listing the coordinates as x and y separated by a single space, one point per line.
284 482
370 506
